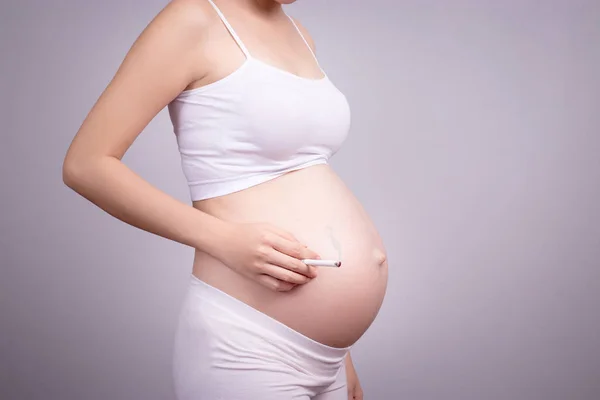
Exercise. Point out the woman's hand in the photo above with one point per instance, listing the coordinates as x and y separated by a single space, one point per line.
354 390
266 254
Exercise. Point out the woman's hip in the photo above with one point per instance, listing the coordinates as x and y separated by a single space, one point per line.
222 345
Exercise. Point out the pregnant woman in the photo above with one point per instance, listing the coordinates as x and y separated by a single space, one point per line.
256 120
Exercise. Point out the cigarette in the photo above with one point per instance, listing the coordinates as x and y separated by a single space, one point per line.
322 263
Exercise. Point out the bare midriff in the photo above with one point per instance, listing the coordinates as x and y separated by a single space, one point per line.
313 204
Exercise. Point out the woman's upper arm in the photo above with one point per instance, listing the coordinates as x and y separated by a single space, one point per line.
162 61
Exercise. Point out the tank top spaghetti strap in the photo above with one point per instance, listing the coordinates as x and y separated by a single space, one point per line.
231 30
243 47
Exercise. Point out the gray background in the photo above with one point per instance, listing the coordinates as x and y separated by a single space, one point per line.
474 147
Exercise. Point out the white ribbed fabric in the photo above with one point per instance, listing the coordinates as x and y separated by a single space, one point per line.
256 124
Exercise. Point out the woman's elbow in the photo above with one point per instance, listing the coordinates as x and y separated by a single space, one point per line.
71 172
77 167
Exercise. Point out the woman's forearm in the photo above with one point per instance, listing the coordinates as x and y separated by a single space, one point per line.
111 185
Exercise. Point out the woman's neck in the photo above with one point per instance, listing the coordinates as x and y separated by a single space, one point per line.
267 7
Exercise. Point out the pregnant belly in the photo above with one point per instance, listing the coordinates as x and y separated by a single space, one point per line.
313 204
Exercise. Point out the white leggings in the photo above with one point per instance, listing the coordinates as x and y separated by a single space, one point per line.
225 349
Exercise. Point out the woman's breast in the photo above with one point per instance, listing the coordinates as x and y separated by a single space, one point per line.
314 205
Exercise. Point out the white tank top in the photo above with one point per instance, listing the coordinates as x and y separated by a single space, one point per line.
256 124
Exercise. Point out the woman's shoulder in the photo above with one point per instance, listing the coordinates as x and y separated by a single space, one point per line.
305 33
190 16
180 29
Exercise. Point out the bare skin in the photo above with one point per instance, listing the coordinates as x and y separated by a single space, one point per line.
248 244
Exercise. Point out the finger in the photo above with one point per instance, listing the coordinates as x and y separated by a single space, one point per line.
284 233
293 249
275 284
288 262
308 253
284 274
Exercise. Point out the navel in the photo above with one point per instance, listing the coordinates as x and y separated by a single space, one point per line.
379 256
